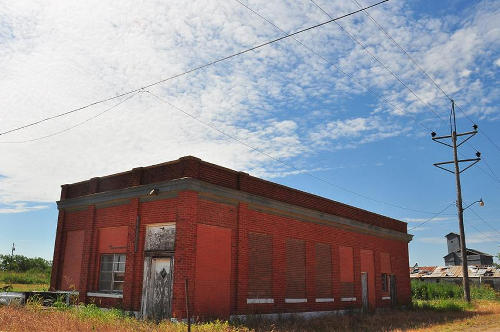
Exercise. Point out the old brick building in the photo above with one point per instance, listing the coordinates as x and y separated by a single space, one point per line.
245 245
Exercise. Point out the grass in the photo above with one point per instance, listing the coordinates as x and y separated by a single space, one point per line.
421 290
25 278
436 307
26 287
25 281
481 315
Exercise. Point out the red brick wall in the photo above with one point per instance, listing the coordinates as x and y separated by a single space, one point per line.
188 210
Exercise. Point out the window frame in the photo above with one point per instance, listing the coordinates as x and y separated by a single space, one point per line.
118 266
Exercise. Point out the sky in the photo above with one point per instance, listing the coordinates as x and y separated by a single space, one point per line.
339 111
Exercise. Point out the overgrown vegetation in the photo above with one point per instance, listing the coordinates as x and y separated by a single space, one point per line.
19 269
482 315
421 290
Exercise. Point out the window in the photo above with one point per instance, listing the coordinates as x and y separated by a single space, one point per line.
260 266
323 271
295 269
385 282
112 273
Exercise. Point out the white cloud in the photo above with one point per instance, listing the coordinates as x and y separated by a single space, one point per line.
471 238
416 220
19 207
61 55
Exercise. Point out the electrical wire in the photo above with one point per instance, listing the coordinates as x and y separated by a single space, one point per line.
433 217
193 69
402 49
482 219
424 72
351 77
253 148
74 126
354 39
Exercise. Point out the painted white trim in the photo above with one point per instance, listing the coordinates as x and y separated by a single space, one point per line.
306 315
111 295
324 299
295 300
386 297
253 301
348 299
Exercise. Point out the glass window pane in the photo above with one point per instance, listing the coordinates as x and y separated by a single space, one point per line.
120 267
105 285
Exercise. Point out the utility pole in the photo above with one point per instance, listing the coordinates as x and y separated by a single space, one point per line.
456 163
13 249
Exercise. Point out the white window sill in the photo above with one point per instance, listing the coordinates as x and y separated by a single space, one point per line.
386 297
348 299
110 295
295 300
325 299
254 301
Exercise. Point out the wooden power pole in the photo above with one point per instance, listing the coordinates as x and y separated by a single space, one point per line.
456 162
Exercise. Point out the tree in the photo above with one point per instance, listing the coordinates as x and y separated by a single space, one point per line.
20 263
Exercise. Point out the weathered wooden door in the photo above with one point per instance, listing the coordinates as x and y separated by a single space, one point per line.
157 291
364 290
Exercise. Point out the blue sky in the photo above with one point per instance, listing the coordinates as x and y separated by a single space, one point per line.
341 124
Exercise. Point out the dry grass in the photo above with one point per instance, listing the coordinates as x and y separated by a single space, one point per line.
26 287
484 315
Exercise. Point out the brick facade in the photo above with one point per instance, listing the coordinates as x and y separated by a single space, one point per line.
221 216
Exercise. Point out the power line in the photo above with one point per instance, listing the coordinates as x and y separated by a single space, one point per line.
378 60
484 234
74 126
330 63
423 71
487 223
253 148
193 69
403 50
433 217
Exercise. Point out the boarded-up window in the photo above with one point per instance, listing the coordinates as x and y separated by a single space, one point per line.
213 271
295 269
113 239
346 271
72 261
323 270
260 266
385 262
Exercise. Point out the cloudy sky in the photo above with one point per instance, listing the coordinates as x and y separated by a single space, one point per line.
340 111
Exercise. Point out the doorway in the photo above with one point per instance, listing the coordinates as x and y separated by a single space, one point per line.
157 289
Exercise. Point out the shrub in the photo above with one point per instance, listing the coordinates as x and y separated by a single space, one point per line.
29 277
421 290
20 263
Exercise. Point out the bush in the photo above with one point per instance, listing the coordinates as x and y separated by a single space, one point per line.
421 290
29 277
20 263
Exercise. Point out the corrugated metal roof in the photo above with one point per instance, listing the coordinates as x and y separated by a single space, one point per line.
453 272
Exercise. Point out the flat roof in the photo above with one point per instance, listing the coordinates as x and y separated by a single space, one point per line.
193 167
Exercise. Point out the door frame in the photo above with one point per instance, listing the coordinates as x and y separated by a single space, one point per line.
364 291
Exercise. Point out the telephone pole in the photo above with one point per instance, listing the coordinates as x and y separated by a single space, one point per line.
456 163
